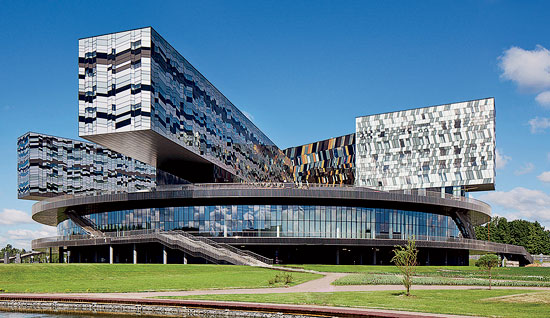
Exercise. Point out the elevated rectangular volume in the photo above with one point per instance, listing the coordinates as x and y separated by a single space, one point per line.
445 146
49 166
140 97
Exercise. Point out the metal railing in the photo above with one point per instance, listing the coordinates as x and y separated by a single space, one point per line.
200 236
270 185
204 247
235 250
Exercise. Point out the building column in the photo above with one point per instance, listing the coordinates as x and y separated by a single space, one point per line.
374 256
278 231
68 256
60 254
337 256
111 259
184 258
428 257
164 255
135 254
6 258
51 260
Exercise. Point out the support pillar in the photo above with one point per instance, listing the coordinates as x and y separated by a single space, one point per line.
111 259
278 231
60 254
164 255
135 254
428 257
337 256
6 258
184 258
68 256
374 257
51 260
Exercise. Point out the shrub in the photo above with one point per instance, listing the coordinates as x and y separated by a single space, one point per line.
405 259
285 278
487 262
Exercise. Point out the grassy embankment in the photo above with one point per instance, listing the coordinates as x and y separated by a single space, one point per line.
492 303
439 275
54 278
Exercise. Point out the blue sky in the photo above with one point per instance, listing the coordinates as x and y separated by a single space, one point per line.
303 70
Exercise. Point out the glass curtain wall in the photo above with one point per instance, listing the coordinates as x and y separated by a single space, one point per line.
276 221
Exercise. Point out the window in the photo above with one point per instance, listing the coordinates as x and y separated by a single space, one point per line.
136 44
457 123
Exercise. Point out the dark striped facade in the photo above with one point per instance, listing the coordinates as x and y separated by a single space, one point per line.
50 166
135 81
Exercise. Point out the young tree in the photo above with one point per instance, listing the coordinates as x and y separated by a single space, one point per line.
487 262
405 259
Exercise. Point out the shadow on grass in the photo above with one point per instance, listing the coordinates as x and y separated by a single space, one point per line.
403 294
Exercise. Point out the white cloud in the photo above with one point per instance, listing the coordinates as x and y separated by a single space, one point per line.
544 177
521 203
12 216
248 115
24 234
529 69
543 98
502 160
525 169
539 124
21 238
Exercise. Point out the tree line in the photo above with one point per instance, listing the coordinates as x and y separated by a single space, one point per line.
12 251
531 235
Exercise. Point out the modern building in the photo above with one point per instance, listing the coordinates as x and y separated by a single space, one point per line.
174 172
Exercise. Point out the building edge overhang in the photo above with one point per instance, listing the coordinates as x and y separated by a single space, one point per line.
52 211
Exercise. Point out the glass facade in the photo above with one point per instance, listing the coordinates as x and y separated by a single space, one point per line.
135 82
276 220
49 166
451 145
330 161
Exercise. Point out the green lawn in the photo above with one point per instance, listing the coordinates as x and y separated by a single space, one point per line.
507 273
42 278
396 279
458 302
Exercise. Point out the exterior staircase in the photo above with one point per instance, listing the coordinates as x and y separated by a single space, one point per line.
85 224
210 250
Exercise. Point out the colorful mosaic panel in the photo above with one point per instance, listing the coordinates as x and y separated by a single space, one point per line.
330 161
